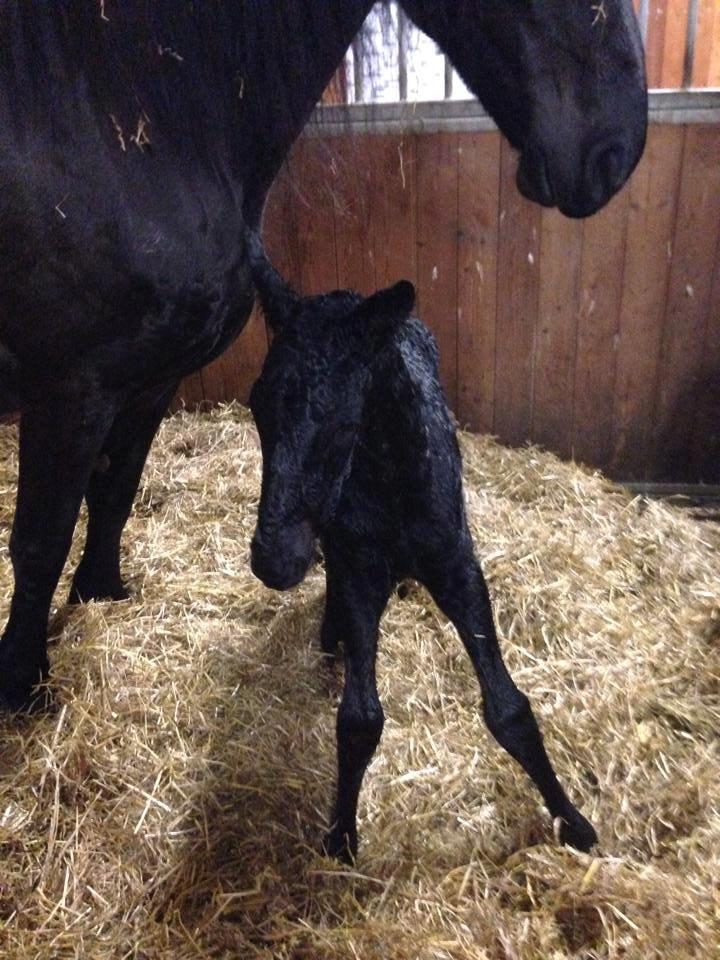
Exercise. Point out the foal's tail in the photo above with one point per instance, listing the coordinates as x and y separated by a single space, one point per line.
278 299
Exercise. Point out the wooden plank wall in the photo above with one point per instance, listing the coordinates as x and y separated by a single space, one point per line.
665 43
598 339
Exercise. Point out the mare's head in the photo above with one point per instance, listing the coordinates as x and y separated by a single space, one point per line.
307 405
563 79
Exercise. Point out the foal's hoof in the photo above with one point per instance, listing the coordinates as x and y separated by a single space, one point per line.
24 691
575 831
341 845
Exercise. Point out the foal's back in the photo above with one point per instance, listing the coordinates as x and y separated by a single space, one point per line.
405 484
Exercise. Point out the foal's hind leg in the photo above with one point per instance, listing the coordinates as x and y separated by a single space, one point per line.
111 491
61 434
460 591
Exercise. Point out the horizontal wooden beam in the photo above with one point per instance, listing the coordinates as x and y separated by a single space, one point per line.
468 116
697 492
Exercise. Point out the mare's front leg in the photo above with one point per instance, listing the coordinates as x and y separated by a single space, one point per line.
62 429
360 717
111 491
459 589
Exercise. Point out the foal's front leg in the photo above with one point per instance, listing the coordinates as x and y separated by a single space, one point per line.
360 717
61 433
459 589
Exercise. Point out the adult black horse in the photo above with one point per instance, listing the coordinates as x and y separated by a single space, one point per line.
137 138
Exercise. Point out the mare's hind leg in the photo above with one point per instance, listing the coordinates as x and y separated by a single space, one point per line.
111 491
61 434
459 589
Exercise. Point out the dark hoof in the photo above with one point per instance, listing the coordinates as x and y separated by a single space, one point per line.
329 657
328 645
341 846
26 691
577 832
85 591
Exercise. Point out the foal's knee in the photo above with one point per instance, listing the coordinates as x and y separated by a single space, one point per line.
511 722
30 560
359 728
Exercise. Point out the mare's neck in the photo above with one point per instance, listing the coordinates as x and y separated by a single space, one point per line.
292 50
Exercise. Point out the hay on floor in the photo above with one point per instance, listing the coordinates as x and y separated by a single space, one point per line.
173 806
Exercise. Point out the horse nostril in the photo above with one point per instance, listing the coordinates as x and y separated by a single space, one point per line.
605 168
533 178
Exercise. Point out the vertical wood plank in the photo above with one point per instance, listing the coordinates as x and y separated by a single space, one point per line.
478 210
651 222
190 394
336 91
394 209
352 162
280 228
705 463
437 172
655 42
556 334
673 61
232 375
714 72
314 178
707 15
681 391
517 306
601 286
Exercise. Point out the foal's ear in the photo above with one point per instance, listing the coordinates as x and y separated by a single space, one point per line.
392 303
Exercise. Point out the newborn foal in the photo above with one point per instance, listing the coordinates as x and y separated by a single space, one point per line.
359 450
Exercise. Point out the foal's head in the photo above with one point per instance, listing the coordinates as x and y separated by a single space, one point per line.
307 405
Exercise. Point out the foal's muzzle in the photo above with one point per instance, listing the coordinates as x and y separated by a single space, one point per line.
282 561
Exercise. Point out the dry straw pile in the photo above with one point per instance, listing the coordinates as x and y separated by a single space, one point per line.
172 807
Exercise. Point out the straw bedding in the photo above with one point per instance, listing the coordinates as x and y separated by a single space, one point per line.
172 806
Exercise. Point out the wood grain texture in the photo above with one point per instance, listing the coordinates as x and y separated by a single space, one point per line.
394 208
478 209
556 333
437 229
708 13
655 41
314 177
191 393
713 79
517 306
280 224
651 222
352 164
673 60
601 286
232 375
705 442
681 388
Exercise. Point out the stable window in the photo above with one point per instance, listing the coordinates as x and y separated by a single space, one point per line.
391 61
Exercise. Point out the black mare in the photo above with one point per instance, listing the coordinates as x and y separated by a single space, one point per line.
138 138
